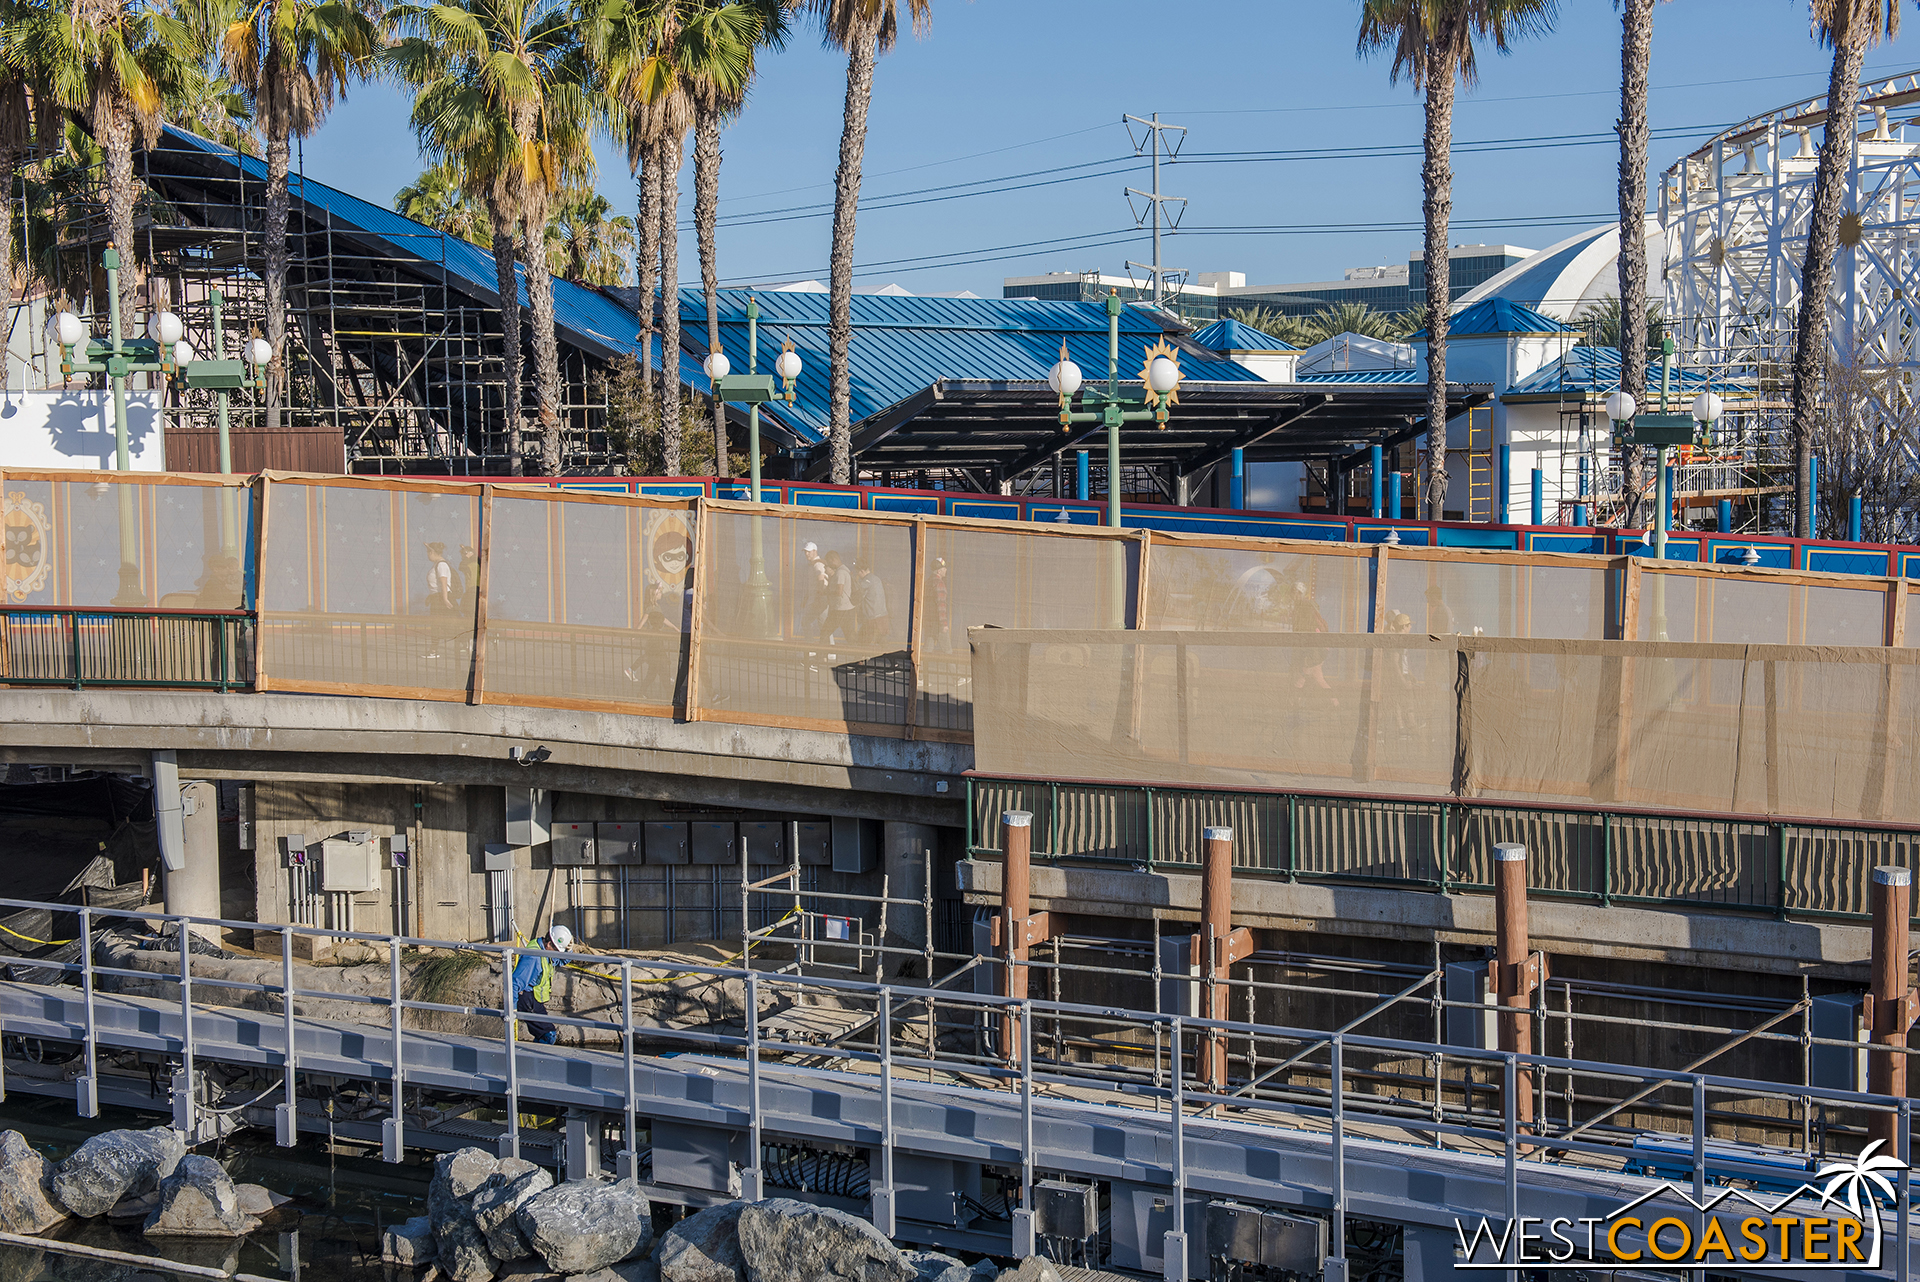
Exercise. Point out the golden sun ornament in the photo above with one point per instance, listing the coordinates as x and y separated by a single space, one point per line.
1162 401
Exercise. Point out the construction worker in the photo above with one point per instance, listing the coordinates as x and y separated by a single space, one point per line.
533 982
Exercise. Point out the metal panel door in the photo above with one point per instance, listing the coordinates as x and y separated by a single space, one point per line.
617 843
572 845
666 843
714 842
766 841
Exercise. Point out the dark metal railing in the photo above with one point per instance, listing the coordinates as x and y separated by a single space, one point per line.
1778 865
180 649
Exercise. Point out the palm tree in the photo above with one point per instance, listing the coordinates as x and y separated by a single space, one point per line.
501 87
864 29
293 59
719 76
1432 42
118 67
17 97
1850 26
586 242
1354 318
1636 47
438 198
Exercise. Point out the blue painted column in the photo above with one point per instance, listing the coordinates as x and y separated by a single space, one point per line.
1580 515
1373 466
1726 516
1504 480
1237 492
1666 497
1083 477
1539 497
1854 519
1393 495
1813 496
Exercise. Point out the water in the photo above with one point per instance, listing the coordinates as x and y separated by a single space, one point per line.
333 1226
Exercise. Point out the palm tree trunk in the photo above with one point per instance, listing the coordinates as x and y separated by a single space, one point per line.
1636 46
113 130
1823 237
648 257
861 51
504 253
275 254
9 170
706 204
547 387
1437 176
670 428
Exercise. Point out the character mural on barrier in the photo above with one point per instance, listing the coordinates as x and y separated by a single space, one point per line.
29 538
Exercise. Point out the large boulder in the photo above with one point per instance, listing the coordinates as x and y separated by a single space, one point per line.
787 1241
627 1271
113 1164
584 1225
704 1247
457 1176
460 1248
931 1266
26 1187
410 1243
495 1206
1032 1269
198 1200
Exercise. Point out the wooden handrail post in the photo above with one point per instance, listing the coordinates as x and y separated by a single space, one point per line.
1890 1008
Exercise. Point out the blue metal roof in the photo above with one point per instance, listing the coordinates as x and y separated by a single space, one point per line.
1597 369
1500 316
1230 335
1365 376
584 317
904 345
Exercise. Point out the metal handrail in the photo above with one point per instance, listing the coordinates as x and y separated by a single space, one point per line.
204 658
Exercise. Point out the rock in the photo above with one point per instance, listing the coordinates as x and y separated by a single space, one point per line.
26 1187
113 1164
630 1271
931 1266
985 1270
584 1225
1032 1269
259 1201
411 1243
20 1263
457 1176
134 1209
460 1247
497 1201
704 1247
787 1241
198 1200
532 1269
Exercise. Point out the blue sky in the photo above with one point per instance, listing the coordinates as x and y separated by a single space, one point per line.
1007 94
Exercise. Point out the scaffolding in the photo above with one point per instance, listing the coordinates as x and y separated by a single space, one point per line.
393 354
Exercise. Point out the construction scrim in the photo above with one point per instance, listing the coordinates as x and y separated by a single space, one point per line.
1815 732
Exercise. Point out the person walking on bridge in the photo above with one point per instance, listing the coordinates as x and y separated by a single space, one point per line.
533 983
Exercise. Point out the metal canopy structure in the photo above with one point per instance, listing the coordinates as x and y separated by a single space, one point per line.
1008 428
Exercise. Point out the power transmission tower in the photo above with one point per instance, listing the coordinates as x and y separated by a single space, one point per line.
1148 141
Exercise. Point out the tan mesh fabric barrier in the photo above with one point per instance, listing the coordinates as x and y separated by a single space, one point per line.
170 543
1819 733
588 601
1557 597
1724 608
796 635
1266 587
367 589
1009 579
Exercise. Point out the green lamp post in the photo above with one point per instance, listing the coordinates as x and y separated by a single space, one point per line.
1159 390
161 352
754 389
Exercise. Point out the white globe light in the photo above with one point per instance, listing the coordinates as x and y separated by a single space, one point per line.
788 366
1620 407
1064 378
165 328
717 365
1707 407
183 353
259 352
1163 375
69 329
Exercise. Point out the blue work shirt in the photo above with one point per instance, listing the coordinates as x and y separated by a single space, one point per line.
526 973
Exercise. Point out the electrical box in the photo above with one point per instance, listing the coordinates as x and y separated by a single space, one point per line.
856 844
814 842
397 850
349 866
1066 1210
529 816
1142 1216
713 842
296 850
766 842
572 845
1178 996
1836 1017
1466 983
496 858
1258 1235
666 843
933 1190
617 843
698 1157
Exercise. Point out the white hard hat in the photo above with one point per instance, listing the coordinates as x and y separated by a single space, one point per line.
561 938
